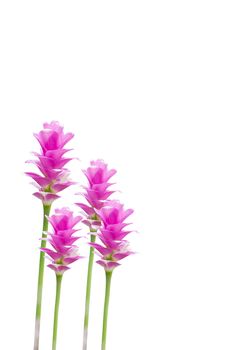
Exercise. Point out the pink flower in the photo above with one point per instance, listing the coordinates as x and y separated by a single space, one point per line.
113 246
53 176
97 191
64 251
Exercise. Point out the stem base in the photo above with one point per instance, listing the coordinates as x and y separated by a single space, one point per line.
106 305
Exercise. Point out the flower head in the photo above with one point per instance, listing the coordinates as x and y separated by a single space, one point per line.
64 251
53 176
97 191
113 246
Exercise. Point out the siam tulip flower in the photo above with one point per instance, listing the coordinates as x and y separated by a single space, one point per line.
96 193
53 177
113 247
63 252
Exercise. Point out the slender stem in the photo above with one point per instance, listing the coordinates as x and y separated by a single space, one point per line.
46 209
56 310
88 291
106 304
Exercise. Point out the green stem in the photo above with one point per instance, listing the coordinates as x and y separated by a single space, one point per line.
56 310
46 209
88 291
106 304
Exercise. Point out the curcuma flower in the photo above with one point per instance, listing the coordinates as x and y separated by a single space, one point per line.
97 191
112 249
53 176
112 233
64 251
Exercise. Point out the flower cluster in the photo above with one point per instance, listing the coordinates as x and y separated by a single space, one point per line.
111 234
104 217
97 191
53 177
62 240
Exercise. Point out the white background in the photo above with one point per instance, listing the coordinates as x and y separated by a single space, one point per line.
147 86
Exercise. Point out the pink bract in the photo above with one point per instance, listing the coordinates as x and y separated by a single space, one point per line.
51 161
63 251
97 191
113 247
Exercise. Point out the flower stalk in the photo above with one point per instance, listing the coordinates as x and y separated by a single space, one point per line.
88 290
46 211
56 310
106 306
